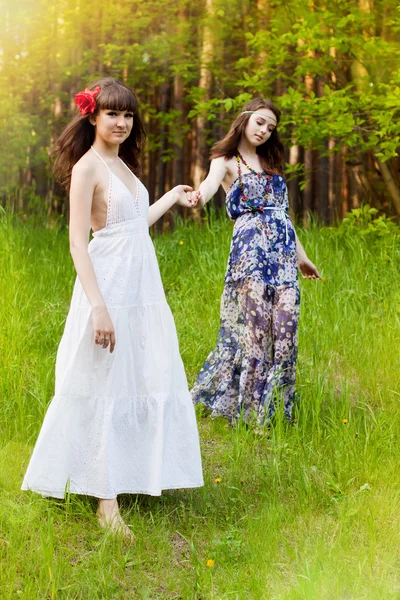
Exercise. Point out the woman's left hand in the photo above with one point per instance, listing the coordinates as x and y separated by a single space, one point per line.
308 269
183 195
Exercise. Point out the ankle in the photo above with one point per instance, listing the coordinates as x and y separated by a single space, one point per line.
107 507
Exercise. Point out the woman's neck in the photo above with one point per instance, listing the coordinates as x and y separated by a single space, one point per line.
106 150
247 149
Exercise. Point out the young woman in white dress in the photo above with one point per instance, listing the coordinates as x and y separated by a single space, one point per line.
122 419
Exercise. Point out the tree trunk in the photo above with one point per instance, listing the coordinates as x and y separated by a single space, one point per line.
323 166
162 165
390 183
179 138
345 184
201 150
308 189
151 156
293 183
323 186
263 18
336 183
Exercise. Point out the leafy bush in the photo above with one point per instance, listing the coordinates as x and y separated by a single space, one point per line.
364 221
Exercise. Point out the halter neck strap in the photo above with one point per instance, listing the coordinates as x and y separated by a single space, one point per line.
102 159
126 167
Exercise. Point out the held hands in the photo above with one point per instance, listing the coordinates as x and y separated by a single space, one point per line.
308 269
197 198
104 334
184 195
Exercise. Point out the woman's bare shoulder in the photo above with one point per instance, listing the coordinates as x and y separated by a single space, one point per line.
223 161
224 166
87 165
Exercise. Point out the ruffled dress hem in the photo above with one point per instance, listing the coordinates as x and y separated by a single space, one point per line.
155 493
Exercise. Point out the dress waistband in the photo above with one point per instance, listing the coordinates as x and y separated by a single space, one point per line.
133 226
282 214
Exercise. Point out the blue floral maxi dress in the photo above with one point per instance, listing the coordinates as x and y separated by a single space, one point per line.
256 350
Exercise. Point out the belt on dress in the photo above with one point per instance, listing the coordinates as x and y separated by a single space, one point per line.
283 214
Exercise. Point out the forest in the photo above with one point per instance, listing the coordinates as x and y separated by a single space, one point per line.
331 67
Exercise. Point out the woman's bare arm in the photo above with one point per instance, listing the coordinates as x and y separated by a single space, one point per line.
83 184
180 194
80 198
209 187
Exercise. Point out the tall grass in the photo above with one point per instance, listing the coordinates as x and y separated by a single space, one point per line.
309 512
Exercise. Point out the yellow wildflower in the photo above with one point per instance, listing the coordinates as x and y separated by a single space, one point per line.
181 243
345 421
210 562
217 480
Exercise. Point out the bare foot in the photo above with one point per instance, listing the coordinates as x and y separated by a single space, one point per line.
110 518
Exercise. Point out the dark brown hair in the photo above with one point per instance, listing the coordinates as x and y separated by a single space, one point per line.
77 137
271 153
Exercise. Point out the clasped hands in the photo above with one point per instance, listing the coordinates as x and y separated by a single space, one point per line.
186 196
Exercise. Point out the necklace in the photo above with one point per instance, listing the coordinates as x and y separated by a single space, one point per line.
259 174
240 159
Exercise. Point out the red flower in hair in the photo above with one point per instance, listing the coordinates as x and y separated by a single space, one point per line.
86 100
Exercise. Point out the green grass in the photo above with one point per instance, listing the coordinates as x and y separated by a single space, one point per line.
310 512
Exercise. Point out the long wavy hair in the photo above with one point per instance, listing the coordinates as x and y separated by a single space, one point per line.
77 137
271 153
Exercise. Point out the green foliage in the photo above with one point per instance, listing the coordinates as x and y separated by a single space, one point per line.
364 221
211 108
349 54
353 69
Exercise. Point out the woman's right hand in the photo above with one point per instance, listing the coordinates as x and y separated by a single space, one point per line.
308 269
103 327
197 198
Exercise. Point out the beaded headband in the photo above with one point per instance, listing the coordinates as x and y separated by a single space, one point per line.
253 112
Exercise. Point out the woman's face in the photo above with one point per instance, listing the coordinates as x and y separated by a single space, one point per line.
112 126
260 126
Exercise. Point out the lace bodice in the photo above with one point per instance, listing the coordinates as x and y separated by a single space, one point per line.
122 206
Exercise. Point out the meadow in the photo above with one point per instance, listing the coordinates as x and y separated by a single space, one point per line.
308 511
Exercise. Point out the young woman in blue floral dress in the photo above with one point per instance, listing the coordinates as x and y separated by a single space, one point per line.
254 361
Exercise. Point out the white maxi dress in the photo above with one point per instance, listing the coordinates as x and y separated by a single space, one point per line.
121 422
